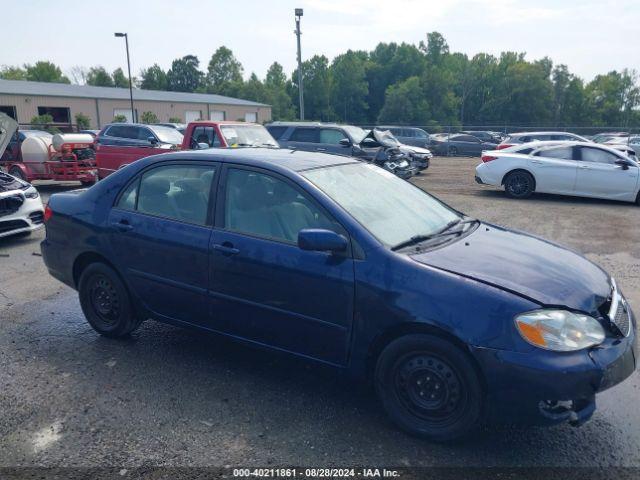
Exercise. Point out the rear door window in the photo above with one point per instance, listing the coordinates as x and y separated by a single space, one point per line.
304 134
563 153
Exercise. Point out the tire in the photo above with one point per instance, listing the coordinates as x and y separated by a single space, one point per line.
638 199
429 387
16 172
453 151
519 184
106 303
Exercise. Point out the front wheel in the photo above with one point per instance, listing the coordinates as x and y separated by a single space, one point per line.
519 184
106 303
429 387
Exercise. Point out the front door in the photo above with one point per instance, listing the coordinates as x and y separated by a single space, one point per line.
266 289
555 170
600 176
160 233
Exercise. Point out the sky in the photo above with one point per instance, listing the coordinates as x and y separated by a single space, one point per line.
591 37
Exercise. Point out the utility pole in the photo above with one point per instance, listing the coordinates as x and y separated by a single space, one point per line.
126 39
298 12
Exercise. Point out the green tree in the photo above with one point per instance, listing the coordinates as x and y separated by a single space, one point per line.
44 122
99 77
349 88
254 89
153 78
405 103
317 80
119 79
175 120
83 121
149 118
44 71
119 119
275 87
12 73
224 73
184 75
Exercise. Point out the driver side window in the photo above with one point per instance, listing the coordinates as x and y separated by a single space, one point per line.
261 205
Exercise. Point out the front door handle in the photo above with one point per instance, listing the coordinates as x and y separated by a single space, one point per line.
226 248
585 167
123 225
320 149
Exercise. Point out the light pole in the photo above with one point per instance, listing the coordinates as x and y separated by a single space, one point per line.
126 40
298 12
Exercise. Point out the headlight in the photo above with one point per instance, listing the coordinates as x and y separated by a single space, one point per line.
31 193
559 330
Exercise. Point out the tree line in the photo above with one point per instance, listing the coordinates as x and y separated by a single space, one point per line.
422 84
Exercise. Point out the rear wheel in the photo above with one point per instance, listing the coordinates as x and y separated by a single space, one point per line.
18 173
429 387
105 302
519 184
453 151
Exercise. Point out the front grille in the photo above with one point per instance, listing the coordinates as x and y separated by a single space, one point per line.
12 204
622 319
11 225
37 217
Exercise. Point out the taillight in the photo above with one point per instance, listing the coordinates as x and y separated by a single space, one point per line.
488 158
502 146
48 213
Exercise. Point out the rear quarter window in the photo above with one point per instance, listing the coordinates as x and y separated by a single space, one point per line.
277 132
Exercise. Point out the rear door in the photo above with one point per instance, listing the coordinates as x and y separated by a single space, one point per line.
304 138
555 169
119 145
160 230
599 175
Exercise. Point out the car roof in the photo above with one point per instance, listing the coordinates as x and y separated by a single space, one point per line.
560 143
520 134
308 124
278 159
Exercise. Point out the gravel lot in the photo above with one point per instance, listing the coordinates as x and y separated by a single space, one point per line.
173 397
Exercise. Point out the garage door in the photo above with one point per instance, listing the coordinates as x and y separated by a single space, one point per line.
216 115
251 117
192 115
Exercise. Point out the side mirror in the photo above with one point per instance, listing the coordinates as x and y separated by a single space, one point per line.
369 142
202 145
623 163
319 240
345 142
152 140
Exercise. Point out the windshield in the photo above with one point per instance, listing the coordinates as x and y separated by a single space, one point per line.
247 136
168 135
357 134
390 208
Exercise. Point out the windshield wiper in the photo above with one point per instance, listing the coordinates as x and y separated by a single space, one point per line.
423 238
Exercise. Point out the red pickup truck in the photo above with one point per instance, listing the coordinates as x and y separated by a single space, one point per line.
119 144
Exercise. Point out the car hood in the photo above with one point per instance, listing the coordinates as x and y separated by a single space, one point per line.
9 183
411 149
8 127
534 268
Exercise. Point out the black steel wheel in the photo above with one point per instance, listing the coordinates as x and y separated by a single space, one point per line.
519 184
429 387
105 302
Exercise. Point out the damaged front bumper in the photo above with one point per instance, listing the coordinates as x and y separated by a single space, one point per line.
546 388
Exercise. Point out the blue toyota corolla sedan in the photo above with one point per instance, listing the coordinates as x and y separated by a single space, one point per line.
455 321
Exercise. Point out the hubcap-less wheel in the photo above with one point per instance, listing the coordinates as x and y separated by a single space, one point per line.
104 300
429 388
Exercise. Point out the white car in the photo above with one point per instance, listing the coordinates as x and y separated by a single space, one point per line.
567 168
21 209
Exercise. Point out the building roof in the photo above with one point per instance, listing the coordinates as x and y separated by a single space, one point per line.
19 87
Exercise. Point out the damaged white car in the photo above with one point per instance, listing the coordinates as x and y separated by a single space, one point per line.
21 209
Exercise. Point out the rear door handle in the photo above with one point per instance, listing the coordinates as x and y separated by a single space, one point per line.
123 225
586 167
537 162
320 149
226 248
